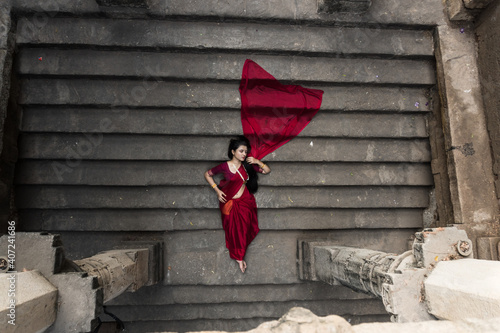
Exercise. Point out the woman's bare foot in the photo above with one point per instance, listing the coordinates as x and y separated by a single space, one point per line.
243 265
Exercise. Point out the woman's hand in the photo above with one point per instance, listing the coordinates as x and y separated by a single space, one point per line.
253 160
263 166
221 195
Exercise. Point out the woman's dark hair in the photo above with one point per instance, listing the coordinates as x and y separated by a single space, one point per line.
252 183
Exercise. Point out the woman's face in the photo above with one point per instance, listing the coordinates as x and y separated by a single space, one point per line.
240 153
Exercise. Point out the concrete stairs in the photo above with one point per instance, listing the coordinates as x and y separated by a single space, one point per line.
122 117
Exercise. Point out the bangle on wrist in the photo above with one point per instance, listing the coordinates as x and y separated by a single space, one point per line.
263 165
214 185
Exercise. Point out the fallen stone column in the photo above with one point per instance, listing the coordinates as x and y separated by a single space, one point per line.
118 271
396 279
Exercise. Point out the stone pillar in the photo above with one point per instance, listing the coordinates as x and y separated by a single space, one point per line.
28 302
396 279
470 164
80 293
118 271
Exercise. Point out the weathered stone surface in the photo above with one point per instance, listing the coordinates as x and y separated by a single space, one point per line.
117 270
458 12
425 12
125 3
302 321
199 294
332 6
488 33
153 173
470 167
227 36
191 197
241 310
465 326
72 149
477 3
5 23
438 244
488 248
460 289
223 66
187 122
42 252
79 302
35 302
206 219
118 94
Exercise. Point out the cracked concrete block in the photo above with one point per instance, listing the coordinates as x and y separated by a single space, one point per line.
35 302
43 252
460 289
80 302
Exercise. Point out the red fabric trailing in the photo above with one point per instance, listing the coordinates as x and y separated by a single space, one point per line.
272 113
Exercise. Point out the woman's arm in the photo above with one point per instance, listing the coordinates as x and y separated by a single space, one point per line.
265 168
220 195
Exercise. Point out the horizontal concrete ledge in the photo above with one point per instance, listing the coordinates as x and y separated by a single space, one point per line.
73 148
402 12
246 310
189 66
59 197
154 173
195 95
229 325
204 122
225 36
169 295
209 219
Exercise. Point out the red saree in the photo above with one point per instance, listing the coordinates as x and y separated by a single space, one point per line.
240 225
272 113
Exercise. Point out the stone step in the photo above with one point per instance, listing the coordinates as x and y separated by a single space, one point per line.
209 219
227 36
422 14
183 295
75 147
161 94
199 257
223 66
203 122
227 325
183 197
154 173
246 310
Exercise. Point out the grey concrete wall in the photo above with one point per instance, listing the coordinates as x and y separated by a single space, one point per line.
8 153
488 34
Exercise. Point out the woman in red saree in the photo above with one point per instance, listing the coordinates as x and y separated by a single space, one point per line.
236 200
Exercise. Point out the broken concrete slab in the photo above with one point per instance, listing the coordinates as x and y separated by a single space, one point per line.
461 289
32 306
40 251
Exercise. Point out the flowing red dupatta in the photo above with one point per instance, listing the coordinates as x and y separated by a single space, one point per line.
272 113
